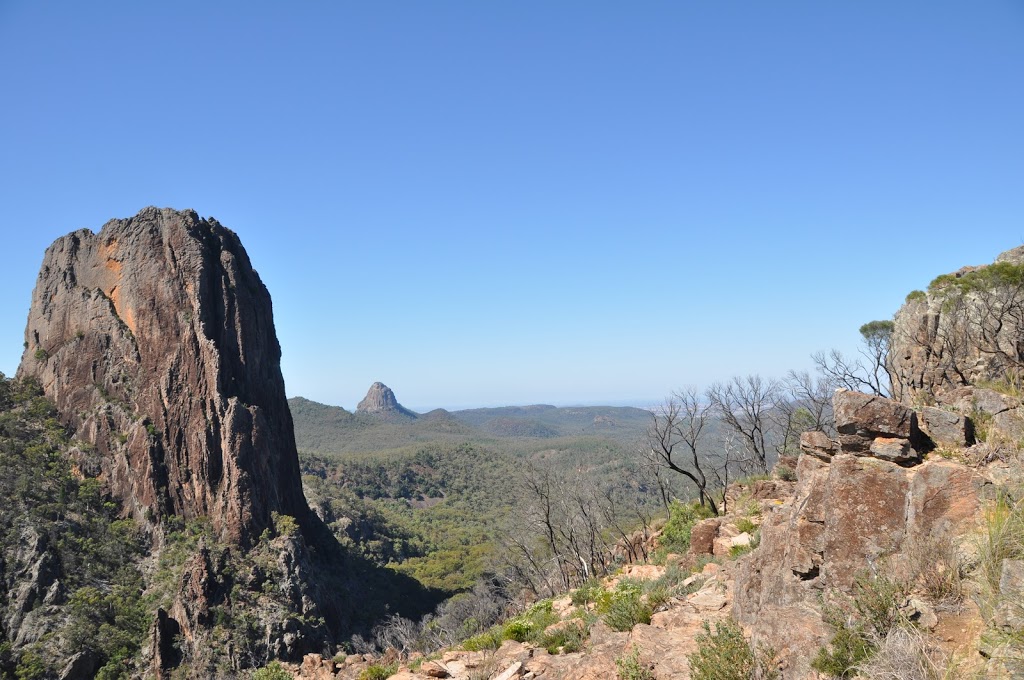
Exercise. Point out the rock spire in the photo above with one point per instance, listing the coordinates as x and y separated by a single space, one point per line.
155 339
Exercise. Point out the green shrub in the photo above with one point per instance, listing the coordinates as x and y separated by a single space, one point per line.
726 655
586 593
916 295
41 354
785 473
848 648
629 667
490 639
874 611
625 606
675 537
272 671
378 671
746 526
566 639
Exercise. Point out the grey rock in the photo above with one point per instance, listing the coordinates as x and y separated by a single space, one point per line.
945 428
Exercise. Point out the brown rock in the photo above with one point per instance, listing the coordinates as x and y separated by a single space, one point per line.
155 339
434 669
819 445
893 450
703 535
861 418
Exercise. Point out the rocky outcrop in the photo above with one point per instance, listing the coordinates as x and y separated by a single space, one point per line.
865 502
155 339
967 328
381 401
876 426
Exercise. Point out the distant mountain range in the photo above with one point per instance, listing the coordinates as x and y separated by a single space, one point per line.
380 422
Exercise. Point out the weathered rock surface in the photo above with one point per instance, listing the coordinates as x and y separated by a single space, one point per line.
844 517
380 400
819 445
155 339
862 418
945 428
935 345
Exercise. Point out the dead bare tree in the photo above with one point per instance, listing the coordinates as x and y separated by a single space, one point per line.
868 372
745 406
674 438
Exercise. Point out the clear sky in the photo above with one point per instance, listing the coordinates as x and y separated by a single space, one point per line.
483 203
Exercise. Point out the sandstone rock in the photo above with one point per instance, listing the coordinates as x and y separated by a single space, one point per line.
381 401
945 428
819 445
703 535
894 450
861 418
513 671
160 351
434 669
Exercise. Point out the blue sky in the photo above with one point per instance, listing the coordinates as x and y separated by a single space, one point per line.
520 202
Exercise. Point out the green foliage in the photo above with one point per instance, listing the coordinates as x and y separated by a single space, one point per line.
987 278
724 654
877 331
586 593
379 671
848 648
746 526
272 671
1003 539
41 354
96 553
624 606
629 667
675 537
916 295
284 525
491 639
785 473
874 610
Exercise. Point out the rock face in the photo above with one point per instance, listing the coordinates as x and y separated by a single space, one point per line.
949 337
155 339
381 401
855 504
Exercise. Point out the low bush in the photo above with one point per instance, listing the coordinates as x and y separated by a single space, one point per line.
629 667
625 606
272 671
675 537
724 654
378 671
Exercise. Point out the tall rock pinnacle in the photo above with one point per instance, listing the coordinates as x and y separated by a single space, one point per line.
380 400
155 339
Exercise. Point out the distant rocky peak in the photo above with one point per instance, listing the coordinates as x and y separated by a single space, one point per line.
380 400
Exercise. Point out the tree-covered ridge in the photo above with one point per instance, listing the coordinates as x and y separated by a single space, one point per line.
71 588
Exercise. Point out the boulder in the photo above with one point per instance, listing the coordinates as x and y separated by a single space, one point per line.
945 428
894 450
819 445
703 535
861 418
